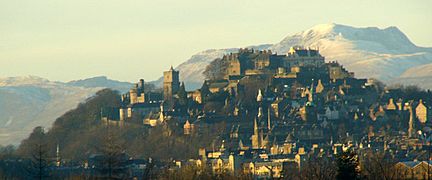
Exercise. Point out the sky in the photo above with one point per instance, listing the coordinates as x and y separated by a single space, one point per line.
126 40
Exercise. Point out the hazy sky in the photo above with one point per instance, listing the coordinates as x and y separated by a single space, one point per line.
127 40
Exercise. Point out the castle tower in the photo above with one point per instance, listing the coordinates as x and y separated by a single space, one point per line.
133 94
171 84
141 86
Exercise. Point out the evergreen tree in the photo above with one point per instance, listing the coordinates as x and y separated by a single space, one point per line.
205 91
112 164
39 160
182 95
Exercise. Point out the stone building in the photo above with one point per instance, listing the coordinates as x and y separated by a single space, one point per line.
299 56
253 62
171 84
336 71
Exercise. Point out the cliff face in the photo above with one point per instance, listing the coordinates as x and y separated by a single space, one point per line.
386 54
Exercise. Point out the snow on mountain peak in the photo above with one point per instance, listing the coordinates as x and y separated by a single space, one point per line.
383 53
23 80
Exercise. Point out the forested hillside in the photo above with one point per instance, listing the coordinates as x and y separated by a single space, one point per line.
79 133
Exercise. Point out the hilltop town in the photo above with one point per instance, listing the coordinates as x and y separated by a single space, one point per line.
258 114
279 111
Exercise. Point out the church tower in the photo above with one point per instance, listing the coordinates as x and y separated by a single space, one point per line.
256 140
171 84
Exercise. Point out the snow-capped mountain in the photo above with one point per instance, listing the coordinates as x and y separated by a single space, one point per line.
28 102
370 52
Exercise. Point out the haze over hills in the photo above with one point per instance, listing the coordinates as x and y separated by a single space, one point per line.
101 81
385 54
28 102
419 75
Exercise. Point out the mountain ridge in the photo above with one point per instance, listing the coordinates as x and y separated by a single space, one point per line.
369 52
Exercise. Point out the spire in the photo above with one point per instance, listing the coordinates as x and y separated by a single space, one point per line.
222 148
261 139
58 155
241 146
171 68
356 117
320 87
311 92
260 112
269 120
274 141
289 138
259 96
255 127
161 114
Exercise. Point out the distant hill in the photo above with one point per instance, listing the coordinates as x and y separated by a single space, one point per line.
102 81
370 52
27 102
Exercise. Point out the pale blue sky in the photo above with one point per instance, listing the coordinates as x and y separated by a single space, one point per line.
131 39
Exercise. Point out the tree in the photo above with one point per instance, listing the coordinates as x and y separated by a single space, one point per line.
205 91
182 96
379 86
7 151
379 166
318 168
112 161
216 69
40 161
347 165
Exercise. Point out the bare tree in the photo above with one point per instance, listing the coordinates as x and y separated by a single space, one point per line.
379 166
112 161
40 162
319 168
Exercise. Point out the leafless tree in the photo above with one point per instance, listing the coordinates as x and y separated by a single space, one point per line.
379 166
321 168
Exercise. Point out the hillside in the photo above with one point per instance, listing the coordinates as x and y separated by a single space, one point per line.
370 52
79 133
27 102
